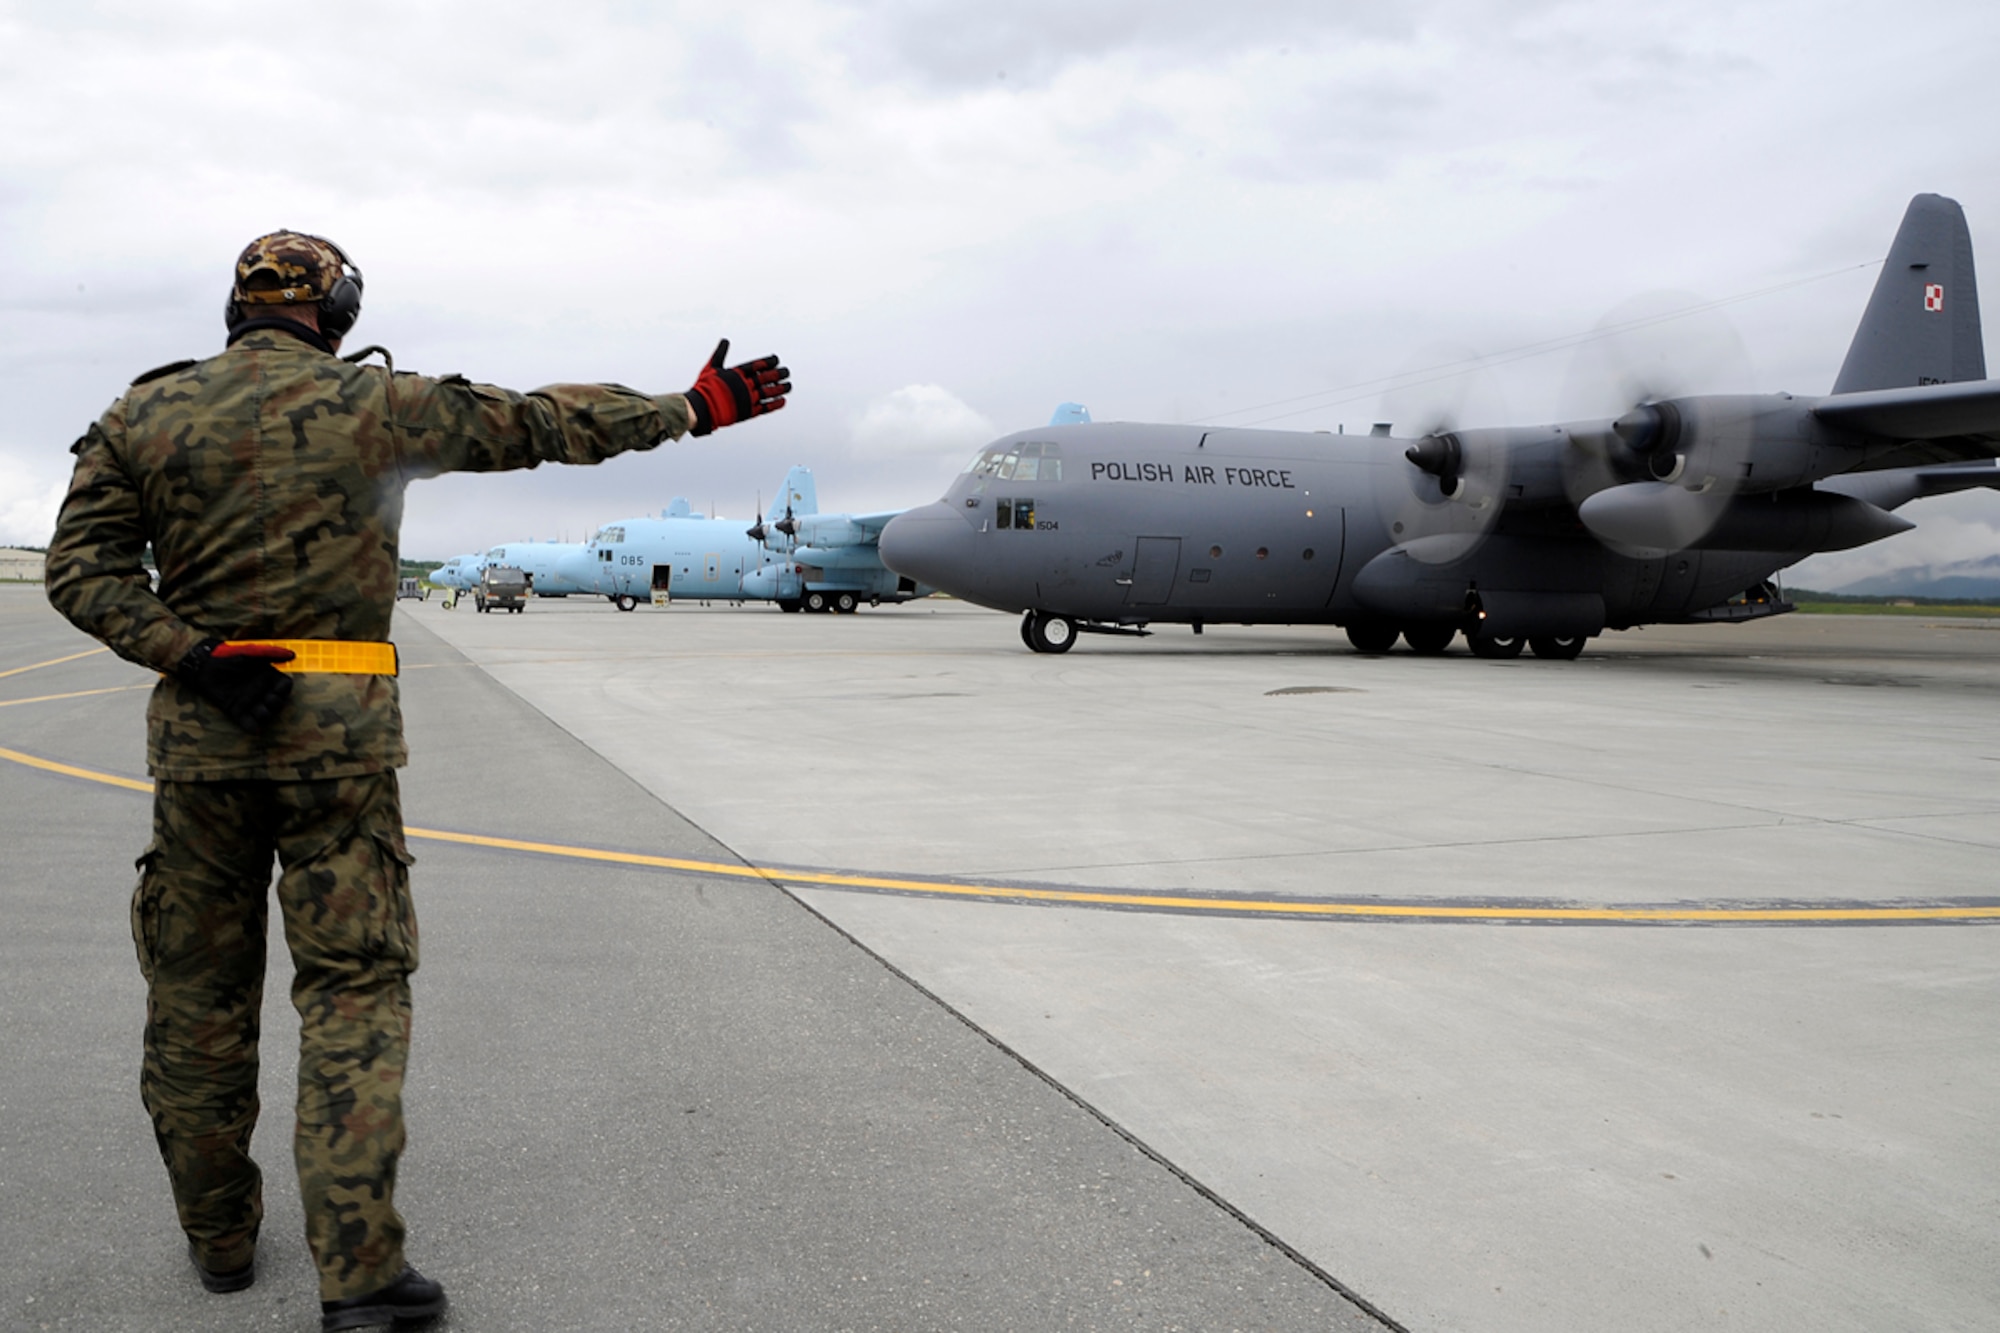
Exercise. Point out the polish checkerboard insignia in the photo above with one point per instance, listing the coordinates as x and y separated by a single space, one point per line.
1934 296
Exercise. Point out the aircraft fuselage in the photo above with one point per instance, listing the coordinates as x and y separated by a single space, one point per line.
1121 524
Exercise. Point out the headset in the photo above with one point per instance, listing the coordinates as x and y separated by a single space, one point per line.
338 309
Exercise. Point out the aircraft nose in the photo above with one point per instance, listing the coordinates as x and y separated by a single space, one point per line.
931 544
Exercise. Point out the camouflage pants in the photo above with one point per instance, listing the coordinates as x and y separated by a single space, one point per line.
198 918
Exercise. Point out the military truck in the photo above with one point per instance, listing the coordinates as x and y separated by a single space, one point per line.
502 586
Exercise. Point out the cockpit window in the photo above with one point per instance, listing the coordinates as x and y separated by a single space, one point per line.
1030 460
610 536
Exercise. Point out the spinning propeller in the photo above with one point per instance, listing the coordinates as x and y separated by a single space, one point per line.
1662 470
1452 483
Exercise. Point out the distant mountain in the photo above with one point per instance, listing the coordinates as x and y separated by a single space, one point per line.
1964 578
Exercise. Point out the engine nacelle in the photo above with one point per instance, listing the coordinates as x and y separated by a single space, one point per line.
1739 444
861 557
826 530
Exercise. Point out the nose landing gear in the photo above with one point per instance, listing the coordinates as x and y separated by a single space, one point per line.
1047 633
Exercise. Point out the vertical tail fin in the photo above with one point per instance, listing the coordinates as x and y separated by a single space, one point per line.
798 494
1922 323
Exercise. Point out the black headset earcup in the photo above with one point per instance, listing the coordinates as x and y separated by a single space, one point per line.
339 308
232 313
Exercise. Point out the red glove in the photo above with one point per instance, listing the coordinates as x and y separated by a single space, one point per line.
722 397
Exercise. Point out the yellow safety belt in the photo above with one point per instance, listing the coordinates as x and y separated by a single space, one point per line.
335 655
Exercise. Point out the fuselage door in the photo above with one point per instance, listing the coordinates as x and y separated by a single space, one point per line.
663 584
1155 561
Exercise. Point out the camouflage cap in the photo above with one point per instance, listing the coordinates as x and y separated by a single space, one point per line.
285 268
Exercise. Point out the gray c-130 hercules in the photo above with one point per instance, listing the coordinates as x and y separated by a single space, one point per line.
1679 510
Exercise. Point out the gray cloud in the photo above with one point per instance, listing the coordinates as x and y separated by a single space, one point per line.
958 46
1168 211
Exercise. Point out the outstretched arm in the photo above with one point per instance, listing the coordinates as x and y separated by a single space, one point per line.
454 425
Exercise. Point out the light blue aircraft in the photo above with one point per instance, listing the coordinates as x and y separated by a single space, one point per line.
544 564
794 556
460 573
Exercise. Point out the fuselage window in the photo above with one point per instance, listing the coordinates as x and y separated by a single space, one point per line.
1003 513
1309 552
1263 553
1215 553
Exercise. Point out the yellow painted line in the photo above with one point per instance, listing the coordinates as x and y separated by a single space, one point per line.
71 771
54 661
74 694
1156 901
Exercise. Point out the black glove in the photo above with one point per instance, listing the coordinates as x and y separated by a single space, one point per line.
239 678
724 397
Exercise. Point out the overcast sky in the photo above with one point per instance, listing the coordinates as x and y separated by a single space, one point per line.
950 217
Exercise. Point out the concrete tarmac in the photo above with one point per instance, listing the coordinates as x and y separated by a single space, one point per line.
636 1101
1473 1122
1475 1126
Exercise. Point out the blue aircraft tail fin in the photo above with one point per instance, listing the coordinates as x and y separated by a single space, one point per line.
798 494
1922 323
1071 414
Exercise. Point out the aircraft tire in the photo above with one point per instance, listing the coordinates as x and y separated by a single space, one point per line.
1372 637
1495 649
845 603
815 601
788 604
1051 634
626 602
1429 640
1558 647
1028 630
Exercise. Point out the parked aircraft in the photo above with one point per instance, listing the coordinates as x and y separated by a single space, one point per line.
794 556
543 563
460 572
1678 510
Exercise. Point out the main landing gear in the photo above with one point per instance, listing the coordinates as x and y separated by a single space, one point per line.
1431 638
1493 648
1557 647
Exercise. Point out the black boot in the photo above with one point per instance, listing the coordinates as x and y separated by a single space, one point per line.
411 1297
235 1279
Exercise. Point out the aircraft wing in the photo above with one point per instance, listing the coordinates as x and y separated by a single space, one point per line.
874 523
1893 487
1938 423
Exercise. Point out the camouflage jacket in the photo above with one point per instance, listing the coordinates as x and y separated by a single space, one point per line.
269 481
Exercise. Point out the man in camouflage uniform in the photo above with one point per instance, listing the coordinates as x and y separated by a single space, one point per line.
269 482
